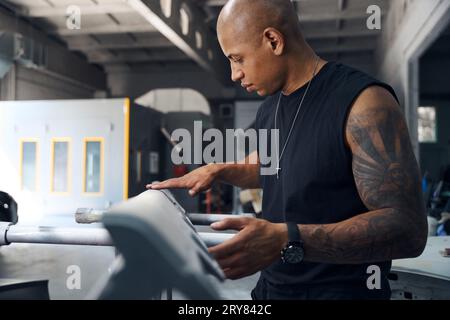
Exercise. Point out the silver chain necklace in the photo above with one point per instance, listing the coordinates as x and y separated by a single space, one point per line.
295 119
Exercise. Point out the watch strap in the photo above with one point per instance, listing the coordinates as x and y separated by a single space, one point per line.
293 232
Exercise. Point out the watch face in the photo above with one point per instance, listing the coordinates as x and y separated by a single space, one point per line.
293 254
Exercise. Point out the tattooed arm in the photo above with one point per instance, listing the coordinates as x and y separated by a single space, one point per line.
387 177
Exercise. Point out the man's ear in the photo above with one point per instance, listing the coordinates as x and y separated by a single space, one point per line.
275 40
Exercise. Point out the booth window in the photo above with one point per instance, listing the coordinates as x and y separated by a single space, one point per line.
28 165
427 125
60 166
93 165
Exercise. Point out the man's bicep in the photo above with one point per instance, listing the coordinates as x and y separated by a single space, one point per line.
384 166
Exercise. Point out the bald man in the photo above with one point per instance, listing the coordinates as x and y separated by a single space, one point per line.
345 199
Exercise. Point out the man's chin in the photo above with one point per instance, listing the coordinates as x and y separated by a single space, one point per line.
261 92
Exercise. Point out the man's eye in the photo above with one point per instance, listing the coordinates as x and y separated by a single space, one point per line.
236 60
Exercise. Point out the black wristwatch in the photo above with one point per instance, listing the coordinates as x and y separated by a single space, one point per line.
293 253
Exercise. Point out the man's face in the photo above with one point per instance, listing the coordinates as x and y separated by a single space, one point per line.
253 64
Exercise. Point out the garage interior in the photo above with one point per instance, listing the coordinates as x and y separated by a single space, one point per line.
68 68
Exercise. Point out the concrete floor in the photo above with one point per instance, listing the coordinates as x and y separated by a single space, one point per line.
52 262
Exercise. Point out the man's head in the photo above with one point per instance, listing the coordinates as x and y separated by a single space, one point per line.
257 37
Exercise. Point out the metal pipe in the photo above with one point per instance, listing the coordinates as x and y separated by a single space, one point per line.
82 236
87 216
213 239
56 235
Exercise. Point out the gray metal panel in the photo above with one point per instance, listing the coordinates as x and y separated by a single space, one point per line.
425 277
45 120
431 263
161 249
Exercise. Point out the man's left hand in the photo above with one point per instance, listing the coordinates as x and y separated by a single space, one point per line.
257 245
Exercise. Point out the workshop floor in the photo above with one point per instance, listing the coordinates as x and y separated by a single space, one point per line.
53 262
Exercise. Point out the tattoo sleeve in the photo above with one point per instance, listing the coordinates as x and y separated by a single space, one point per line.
388 181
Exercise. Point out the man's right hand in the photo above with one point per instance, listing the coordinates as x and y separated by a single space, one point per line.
196 181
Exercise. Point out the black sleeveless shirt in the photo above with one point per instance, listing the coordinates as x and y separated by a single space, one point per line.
316 183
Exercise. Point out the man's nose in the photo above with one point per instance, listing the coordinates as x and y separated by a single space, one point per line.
236 75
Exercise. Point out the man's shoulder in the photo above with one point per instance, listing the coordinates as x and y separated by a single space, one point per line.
363 89
341 81
345 75
375 97
375 109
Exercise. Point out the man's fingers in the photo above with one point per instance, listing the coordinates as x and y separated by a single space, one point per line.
175 183
236 273
231 223
227 248
229 262
196 189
